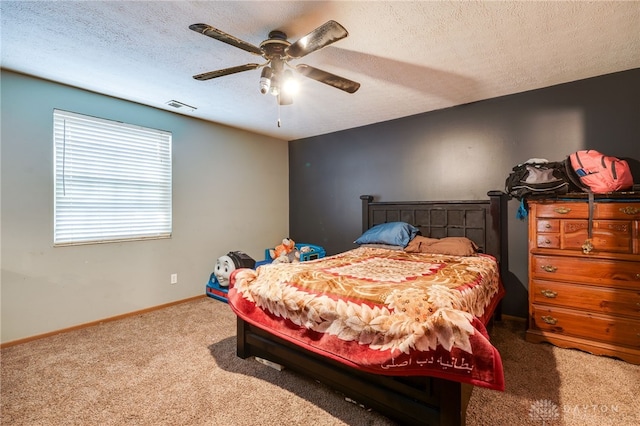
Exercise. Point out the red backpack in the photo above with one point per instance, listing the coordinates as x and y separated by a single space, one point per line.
595 172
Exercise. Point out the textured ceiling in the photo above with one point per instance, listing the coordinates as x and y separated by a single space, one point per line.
410 57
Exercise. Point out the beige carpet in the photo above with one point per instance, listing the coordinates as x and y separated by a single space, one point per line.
177 366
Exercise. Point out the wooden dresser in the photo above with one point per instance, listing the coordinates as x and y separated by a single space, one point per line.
586 298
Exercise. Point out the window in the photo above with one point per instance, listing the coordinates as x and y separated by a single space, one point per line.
112 180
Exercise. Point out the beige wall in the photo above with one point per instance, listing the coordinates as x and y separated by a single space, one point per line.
230 192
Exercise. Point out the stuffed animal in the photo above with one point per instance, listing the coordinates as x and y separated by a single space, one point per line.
281 253
305 249
291 257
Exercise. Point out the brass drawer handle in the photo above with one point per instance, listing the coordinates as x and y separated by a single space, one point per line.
548 225
549 319
562 210
549 268
547 241
549 294
630 210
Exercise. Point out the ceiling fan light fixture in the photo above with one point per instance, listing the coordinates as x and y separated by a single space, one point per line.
289 84
265 80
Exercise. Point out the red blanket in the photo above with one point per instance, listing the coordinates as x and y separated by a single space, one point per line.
382 311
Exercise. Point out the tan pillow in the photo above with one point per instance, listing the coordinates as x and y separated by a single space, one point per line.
418 243
453 246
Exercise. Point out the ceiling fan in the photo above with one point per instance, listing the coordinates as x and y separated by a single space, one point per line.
278 52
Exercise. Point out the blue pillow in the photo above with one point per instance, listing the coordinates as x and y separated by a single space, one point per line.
392 233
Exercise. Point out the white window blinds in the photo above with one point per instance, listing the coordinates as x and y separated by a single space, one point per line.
112 180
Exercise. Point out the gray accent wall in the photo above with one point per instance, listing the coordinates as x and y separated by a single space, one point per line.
457 153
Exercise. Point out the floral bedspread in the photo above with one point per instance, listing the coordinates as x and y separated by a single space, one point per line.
382 311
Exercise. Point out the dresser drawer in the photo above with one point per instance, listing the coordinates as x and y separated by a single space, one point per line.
630 211
568 210
548 225
614 330
548 240
611 236
609 273
596 299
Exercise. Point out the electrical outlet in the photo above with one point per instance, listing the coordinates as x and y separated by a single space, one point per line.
174 278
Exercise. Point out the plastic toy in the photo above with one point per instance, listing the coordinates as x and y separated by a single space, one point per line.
218 285
228 263
215 290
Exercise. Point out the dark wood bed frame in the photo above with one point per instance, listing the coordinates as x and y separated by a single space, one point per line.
408 400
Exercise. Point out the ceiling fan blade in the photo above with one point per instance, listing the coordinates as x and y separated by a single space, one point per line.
212 32
325 77
220 73
324 35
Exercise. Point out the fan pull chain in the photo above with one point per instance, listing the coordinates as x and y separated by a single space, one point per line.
279 114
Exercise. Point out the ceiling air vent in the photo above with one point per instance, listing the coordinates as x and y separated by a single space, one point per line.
179 105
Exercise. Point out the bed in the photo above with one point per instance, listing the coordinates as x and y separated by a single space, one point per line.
399 343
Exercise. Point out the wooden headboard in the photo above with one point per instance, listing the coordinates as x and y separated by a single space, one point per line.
483 221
